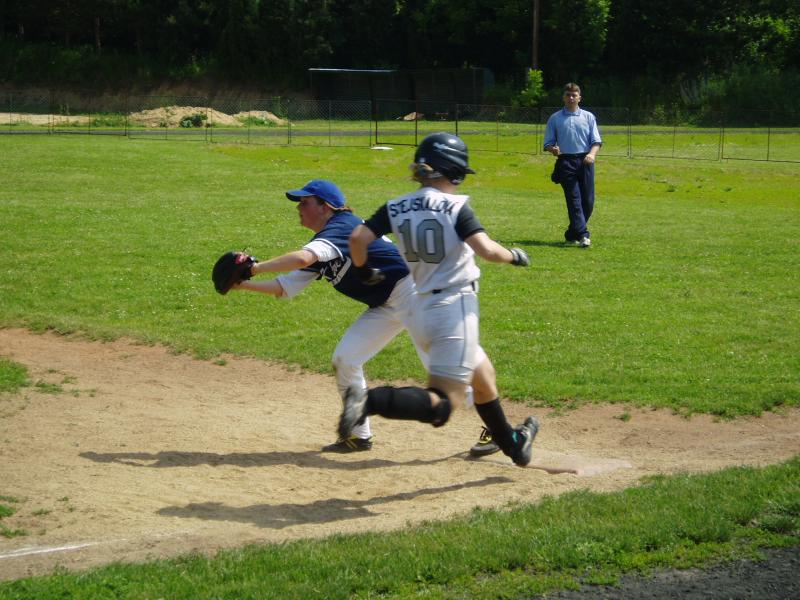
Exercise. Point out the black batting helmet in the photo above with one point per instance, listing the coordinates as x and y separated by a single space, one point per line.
445 153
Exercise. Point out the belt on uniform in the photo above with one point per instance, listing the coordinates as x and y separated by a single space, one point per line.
472 286
579 155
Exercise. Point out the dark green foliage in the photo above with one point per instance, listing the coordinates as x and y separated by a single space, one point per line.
658 53
195 120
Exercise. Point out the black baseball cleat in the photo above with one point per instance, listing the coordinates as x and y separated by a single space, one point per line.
485 445
525 436
349 444
355 403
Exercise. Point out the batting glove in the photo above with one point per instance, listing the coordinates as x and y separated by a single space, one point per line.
369 275
520 258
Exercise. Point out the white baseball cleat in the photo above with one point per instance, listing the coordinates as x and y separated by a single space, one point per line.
585 242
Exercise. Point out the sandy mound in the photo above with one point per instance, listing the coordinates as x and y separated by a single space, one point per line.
171 116
39 119
263 115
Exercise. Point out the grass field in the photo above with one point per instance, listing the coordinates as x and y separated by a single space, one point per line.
687 300
683 302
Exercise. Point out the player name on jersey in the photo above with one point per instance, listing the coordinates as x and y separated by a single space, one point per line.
407 205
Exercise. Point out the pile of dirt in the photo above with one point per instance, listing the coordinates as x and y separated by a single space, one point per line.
172 116
46 119
263 115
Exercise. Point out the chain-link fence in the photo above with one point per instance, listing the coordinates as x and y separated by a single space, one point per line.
761 135
405 122
184 118
499 128
329 123
693 135
26 112
237 121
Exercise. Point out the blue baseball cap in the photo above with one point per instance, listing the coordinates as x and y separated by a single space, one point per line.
325 190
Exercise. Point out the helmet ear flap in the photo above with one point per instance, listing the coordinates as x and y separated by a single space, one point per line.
422 171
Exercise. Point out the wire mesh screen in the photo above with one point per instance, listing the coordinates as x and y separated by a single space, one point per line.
690 134
396 122
169 117
656 133
26 112
767 135
238 121
330 123
499 128
406 122
85 112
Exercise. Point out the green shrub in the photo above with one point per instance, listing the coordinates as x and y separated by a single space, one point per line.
195 120
533 92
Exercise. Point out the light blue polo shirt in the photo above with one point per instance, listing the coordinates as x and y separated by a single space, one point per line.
573 132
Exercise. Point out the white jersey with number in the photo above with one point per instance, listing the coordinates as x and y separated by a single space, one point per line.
424 223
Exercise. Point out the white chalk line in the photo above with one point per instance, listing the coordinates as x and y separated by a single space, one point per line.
29 551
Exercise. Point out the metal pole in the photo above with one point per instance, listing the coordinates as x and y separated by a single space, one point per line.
535 54
769 131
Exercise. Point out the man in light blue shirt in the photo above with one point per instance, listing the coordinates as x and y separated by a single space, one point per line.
572 136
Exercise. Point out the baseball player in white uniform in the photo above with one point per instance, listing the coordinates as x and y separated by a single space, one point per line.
322 208
438 235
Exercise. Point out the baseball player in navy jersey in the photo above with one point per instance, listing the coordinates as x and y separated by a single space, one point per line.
438 235
322 208
572 136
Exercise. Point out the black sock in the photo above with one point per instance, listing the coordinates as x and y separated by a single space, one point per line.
495 420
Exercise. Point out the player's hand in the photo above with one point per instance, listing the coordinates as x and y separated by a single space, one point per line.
589 159
369 275
555 150
520 258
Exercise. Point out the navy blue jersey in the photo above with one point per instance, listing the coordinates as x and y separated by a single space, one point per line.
338 269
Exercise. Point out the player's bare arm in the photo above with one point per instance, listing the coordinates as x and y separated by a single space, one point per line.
286 262
488 249
360 240
270 287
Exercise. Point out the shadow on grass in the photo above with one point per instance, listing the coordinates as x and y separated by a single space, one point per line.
540 243
278 516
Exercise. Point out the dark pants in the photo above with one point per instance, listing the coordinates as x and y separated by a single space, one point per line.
577 180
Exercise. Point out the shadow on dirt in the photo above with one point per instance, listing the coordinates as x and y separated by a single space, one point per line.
278 516
311 458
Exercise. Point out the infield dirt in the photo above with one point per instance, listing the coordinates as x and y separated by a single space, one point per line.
125 452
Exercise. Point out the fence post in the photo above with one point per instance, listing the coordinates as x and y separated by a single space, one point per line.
416 122
769 138
497 130
674 135
288 122
721 144
630 133
375 110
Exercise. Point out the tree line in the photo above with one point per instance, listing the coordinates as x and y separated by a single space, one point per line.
623 48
